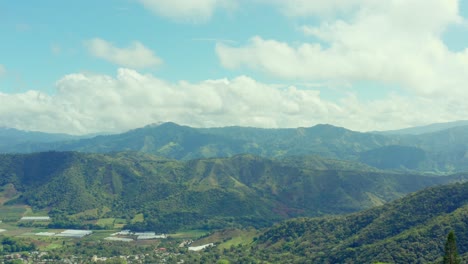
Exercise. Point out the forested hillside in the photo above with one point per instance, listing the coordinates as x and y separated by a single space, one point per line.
409 230
203 193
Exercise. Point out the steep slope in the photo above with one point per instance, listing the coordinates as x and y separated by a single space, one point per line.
203 193
410 230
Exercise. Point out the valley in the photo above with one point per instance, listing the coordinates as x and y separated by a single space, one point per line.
233 131
260 196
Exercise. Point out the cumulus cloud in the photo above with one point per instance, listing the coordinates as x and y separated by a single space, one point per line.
187 11
134 56
382 41
87 103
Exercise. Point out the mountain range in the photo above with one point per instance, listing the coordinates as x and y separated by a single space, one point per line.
444 151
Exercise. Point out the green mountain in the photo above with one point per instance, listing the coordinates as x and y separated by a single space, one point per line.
444 151
168 140
184 143
202 193
409 230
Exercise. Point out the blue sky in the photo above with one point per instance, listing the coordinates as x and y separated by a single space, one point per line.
91 66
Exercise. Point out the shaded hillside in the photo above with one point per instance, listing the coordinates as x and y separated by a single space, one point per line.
409 230
448 149
203 193
441 151
395 157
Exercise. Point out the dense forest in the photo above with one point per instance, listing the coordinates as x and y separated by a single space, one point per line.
413 229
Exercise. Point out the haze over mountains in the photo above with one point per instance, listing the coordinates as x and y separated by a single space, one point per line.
441 151
427 128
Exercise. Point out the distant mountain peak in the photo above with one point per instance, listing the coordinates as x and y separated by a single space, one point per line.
156 124
328 126
159 124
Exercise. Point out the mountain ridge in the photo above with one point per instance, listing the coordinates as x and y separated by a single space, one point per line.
444 151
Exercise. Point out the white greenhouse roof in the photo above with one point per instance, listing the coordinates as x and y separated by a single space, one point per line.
35 218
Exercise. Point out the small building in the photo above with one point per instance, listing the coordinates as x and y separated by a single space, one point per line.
122 233
45 234
198 248
35 218
74 233
151 236
144 233
122 239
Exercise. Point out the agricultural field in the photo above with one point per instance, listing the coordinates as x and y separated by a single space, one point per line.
46 237
227 237
106 222
189 234
243 237
12 213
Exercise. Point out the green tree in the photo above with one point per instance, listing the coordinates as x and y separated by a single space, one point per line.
451 254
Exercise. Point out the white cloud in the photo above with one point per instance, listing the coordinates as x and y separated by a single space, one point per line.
86 103
394 41
134 56
188 11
